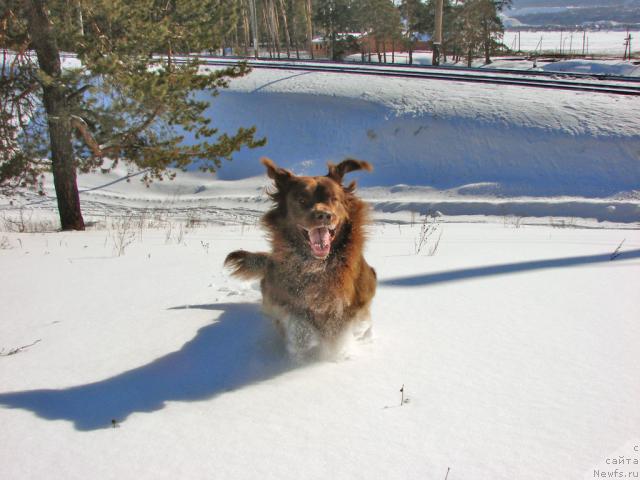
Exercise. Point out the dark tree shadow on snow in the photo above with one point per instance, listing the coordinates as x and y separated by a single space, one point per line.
239 349
506 268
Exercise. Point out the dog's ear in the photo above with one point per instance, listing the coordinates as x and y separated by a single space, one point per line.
351 187
337 172
279 175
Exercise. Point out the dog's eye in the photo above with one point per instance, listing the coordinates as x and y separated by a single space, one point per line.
302 201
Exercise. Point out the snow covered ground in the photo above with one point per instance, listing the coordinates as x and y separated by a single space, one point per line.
604 67
600 42
517 347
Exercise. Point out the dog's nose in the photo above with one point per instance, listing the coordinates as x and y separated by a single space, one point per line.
323 215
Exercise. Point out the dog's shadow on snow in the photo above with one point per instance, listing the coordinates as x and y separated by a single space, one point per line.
239 348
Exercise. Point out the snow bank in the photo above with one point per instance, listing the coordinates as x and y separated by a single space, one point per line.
418 58
523 141
611 67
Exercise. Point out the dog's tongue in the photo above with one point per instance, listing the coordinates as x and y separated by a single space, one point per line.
320 240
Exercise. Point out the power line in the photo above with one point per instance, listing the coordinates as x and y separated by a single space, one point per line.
99 187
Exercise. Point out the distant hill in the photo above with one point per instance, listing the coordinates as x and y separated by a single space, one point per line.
566 13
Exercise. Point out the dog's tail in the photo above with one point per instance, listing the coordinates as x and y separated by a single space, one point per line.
247 265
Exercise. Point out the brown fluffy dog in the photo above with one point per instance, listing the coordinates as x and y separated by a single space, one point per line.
316 284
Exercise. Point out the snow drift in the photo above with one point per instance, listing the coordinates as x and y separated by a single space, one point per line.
518 140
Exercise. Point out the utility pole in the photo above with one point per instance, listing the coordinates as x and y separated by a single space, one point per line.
437 34
627 47
519 43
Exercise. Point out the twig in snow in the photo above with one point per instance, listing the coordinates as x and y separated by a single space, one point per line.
5 244
447 475
430 226
402 399
617 251
18 349
180 235
122 234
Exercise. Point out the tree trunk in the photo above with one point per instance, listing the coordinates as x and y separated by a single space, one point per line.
437 36
384 49
57 110
254 27
275 27
287 36
272 27
393 50
332 45
267 26
487 44
245 28
294 31
309 15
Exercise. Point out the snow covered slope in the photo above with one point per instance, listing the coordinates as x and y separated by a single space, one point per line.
521 141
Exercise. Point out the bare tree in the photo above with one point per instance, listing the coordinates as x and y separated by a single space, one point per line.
283 13
309 15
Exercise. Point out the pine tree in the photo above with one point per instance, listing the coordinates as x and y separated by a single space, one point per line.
479 24
387 28
416 18
380 19
335 17
129 99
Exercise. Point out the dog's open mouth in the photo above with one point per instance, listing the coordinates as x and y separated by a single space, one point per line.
319 239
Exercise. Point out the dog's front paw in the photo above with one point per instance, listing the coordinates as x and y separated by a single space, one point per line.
363 331
302 339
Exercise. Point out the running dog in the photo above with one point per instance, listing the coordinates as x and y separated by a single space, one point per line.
315 282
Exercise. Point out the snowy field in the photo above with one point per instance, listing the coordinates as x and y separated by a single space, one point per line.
126 351
517 347
601 42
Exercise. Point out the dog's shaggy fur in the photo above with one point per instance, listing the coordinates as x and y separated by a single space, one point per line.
315 283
